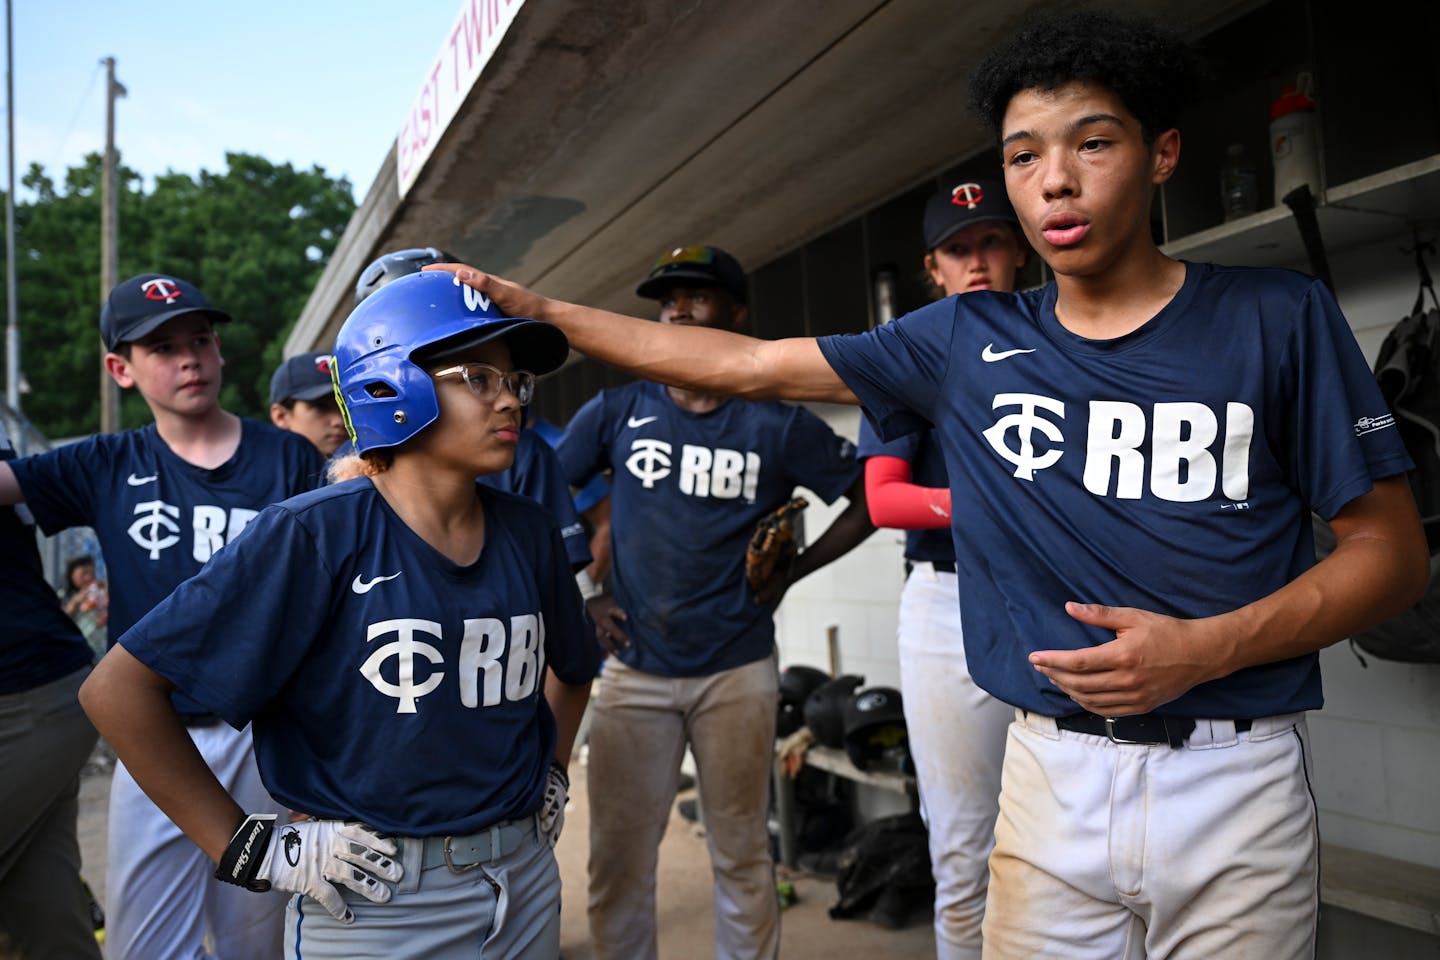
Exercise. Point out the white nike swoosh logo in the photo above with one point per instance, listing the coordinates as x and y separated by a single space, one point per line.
135 481
990 354
361 586
639 421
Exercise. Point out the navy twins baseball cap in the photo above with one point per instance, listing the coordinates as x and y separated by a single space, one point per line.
711 266
305 376
956 207
138 306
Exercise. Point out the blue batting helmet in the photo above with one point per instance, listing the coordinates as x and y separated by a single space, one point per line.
385 395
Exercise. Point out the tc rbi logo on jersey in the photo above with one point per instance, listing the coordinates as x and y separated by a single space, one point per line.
156 527
719 473
1179 448
494 664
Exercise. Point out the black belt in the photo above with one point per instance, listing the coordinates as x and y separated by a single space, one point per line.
941 566
199 719
1142 728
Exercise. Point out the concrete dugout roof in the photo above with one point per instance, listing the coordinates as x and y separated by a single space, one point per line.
600 133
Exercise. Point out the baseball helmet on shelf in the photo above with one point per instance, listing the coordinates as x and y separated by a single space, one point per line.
825 709
875 733
396 264
796 683
385 395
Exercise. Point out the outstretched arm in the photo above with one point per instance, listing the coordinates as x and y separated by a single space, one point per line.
693 358
1379 567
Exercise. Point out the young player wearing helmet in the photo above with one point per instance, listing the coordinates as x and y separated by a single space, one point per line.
401 636
973 242
1136 448
535 472
163 499
693 647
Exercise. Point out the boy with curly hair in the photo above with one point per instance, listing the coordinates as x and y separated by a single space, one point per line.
1134 452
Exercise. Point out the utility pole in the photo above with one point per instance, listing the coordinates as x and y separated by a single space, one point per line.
12 298
109 244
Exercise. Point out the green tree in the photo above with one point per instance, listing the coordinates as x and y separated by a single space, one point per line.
254 238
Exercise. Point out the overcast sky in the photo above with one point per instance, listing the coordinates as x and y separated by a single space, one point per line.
306 81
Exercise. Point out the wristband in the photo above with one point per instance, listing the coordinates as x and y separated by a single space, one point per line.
246 851
589 589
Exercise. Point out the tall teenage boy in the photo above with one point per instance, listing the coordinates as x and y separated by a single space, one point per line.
1139 444
163 499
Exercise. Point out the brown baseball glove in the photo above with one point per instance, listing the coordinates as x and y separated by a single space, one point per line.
772 545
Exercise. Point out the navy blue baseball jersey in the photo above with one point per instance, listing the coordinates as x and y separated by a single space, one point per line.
593 492
927 469
159 518
39 643
1173 469
536 474
385 682
686 492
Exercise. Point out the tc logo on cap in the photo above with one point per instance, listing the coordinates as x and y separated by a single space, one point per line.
967 195
161 289
322 365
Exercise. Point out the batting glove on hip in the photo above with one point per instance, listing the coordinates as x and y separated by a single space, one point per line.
311 857
552 810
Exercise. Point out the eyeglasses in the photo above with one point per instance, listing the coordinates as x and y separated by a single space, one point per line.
485 380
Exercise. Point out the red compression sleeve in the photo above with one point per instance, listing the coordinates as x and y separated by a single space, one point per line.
896 502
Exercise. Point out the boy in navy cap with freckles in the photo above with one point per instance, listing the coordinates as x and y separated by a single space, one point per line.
163 499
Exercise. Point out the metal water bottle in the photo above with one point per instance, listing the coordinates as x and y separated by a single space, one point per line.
1294 139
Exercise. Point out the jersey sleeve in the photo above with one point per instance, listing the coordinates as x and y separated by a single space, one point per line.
570 648
544 482
232 635
61 486
584 450
906 448
897 370
818 457
1344 434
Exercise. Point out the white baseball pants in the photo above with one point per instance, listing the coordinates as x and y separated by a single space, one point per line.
1106 851
957 738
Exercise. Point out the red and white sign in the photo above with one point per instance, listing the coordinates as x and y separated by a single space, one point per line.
471 42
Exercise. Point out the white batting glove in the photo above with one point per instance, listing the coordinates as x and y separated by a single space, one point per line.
311 857
552 810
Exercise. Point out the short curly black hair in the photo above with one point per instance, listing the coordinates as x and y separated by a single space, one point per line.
1151 69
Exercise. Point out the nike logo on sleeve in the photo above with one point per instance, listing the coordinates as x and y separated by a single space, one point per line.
135 481
639 421
361 585
990 354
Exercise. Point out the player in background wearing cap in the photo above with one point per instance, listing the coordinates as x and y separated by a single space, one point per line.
302 400
535 472
44 741
956 730
694 649
413 654
1134 452
163 499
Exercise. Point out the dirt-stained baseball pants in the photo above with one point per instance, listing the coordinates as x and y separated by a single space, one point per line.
957 738
641 725
1107 851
